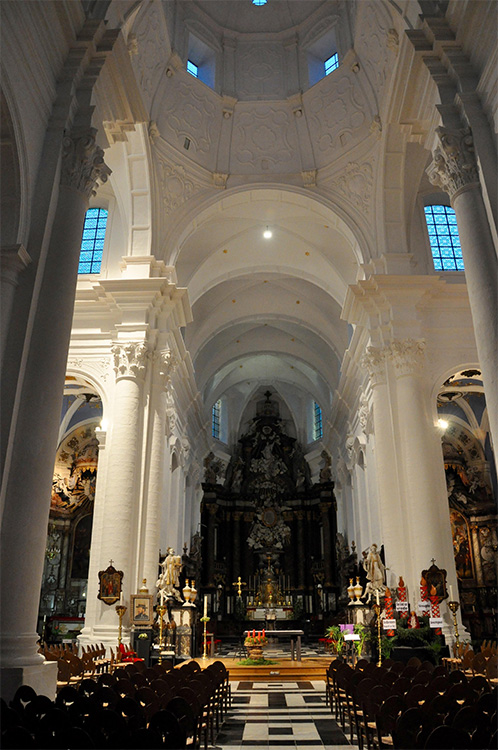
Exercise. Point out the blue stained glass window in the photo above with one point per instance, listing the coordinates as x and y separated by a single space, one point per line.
443 237
92 243
331 64
317 421
259 2
216 419
192 69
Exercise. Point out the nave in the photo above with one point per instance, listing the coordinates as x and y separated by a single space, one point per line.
280 714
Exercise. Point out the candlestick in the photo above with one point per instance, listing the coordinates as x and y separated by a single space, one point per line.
379 637
161 611
453 606
120 609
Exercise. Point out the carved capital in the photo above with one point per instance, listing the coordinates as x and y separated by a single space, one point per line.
83 162
166 365
130 359
407 355
454 163
309 177
375 362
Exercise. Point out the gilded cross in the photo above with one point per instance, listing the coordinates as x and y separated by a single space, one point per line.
239 582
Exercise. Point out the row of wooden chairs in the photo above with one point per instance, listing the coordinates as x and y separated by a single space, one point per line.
135 706
481 663
399 705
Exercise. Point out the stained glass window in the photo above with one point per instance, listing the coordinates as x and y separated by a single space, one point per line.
444 239
216 419
331 64
92 241
192 69
317 422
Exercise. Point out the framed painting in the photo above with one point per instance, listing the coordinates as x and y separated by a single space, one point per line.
142 609
110 585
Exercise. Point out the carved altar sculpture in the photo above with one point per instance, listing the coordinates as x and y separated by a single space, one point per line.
375 570
169 579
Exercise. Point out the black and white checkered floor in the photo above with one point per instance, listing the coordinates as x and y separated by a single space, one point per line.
281 715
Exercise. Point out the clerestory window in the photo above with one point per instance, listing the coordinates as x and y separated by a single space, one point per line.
444 239
332 63
216 420
92 241
317 422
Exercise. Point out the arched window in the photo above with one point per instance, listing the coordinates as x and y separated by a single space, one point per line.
92 241
317 422
216 420
443 236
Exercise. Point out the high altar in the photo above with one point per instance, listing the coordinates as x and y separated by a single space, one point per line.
269 526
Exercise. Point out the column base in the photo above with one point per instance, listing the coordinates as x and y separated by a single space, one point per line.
42 678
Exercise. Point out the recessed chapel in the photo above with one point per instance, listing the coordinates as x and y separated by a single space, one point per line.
249 312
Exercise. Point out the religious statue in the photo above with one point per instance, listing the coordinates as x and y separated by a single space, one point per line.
375 570
169 579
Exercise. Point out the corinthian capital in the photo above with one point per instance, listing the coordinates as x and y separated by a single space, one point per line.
83 162
167 364
375 362
454 163
407 355
130 359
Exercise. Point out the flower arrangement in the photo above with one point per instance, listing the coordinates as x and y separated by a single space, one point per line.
257 638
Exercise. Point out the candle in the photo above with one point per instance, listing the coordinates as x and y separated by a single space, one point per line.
162 597
263 632
205 606
451 593
254 634
377 597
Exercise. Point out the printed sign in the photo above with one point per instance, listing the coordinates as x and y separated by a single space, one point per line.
389 624
401 606
424 606
435 622
352 637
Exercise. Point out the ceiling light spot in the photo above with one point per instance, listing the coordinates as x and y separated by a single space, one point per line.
298 302
225 251
241 366
233 300
306 253
267 234
265 281
326 226
293 339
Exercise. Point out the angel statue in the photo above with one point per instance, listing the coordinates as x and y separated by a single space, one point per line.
169 578
375 571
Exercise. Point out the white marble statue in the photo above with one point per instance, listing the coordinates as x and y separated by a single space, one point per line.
375 571
169 579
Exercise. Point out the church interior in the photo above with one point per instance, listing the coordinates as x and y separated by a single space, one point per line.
249 323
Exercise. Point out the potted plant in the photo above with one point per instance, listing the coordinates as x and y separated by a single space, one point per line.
254 643
364 634
336 635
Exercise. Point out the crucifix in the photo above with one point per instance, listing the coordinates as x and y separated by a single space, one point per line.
239 582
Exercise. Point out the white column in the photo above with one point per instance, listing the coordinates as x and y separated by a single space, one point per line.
454 169
35 422
392 521
123 476
163 367
424 497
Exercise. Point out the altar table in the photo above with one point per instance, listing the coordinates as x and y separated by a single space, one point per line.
293 635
